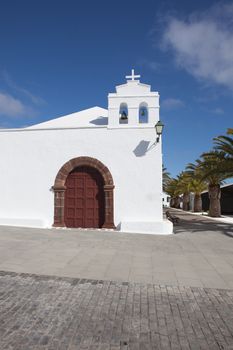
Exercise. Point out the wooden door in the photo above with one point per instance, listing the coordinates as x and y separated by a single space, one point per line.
84 198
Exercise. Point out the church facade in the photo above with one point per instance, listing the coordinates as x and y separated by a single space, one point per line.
97 168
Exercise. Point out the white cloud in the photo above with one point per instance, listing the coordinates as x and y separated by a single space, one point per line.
155 66
172 103
12 107
12 84
203 44
218 111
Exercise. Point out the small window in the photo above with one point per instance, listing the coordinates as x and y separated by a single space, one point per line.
123 114
143 113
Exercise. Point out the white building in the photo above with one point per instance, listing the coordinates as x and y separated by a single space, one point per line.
96 168
166 200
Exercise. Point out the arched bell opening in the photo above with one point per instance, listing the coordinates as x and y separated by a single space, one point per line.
123 113
143 113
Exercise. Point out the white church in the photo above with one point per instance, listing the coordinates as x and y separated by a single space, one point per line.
97 168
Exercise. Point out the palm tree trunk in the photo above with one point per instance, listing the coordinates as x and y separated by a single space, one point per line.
186 201
214 196
177 202
172 202
197 203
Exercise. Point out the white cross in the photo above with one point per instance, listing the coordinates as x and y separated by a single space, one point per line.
132 77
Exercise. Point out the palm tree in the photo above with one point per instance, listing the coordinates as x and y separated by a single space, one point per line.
197 186
174 192
166 177
207 168
170 189
224 146
183 187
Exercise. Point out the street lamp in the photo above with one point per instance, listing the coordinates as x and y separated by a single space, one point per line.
159 129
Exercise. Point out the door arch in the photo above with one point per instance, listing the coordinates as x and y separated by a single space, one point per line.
60 189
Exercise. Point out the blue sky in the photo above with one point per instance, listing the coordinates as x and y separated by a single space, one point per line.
58 57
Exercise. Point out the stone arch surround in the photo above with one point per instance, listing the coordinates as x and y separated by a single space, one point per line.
59 189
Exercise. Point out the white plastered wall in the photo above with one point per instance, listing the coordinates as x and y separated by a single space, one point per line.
30 161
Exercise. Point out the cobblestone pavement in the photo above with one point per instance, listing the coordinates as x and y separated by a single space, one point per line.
39 312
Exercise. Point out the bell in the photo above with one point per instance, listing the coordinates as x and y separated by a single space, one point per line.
124 116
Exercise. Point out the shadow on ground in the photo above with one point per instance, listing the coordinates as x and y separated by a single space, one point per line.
195 223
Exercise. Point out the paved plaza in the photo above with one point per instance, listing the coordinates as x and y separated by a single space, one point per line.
80 289
200 254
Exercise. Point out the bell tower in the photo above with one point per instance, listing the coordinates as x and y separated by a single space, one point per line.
133 104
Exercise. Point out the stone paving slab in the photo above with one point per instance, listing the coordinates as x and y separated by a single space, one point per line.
52 313
199 254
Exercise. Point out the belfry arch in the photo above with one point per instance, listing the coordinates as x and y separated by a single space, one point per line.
59 189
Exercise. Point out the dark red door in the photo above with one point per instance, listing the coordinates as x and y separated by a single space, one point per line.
84 198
